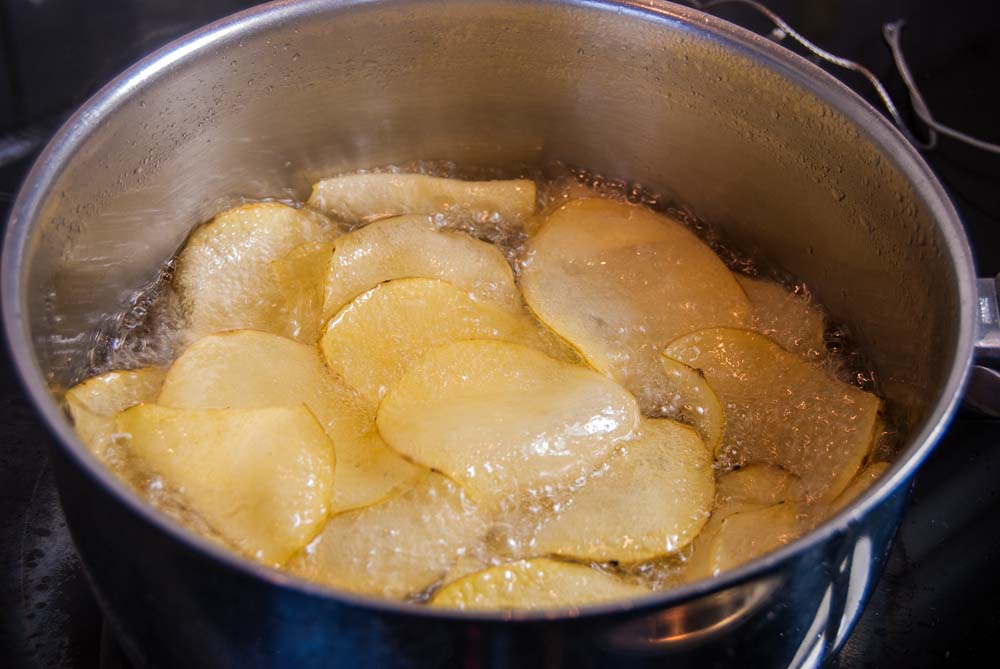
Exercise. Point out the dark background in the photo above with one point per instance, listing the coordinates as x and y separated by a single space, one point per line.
937 604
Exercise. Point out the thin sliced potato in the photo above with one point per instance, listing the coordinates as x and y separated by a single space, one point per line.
534 584
366 197
467 564
789 319
372 341
653 499
758 485
397 548
222 273
245 369
749 534
695 401
370 472
94 403
413 246
262 478
502 418
300 277
619 282
864 480
751 488
781 410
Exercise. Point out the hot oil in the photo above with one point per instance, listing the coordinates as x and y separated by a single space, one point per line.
143 334
148 332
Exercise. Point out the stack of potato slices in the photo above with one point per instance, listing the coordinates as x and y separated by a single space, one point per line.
370 398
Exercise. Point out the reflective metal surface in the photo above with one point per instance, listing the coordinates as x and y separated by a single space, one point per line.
988 317
786 161
983 391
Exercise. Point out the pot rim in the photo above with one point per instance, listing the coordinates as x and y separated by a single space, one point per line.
76 130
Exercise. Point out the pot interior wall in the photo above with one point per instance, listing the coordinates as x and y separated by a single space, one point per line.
326 87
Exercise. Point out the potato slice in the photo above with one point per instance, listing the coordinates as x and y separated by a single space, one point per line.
245 369
358 197
653 499
789 319
757 485
468 564
695 401
782 410
375 338
222 273
619 282
749 534
262 478
370 472
751 488
534 584
397 548
861 482
94 403
501 417
94 406
300 277
413 246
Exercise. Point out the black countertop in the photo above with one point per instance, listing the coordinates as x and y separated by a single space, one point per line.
936 604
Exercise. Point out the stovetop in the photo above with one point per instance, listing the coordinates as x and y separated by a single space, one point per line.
936 604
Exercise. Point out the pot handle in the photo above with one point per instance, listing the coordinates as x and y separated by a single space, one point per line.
983 391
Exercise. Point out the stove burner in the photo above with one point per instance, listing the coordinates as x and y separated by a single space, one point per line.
53 616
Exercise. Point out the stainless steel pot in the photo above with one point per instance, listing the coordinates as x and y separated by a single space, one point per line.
784 159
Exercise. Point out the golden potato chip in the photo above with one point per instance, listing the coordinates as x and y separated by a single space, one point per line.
749 534
759 485
864 480
300 279
245 369
372 341
502 418
540 583
695 402
397 548
781 410
652 499
750 488
413 246
94 403
262 478
619 282
222 274
357 197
